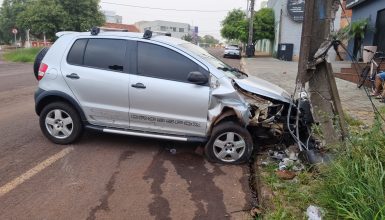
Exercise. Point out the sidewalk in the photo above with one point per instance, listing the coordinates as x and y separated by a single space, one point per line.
354 100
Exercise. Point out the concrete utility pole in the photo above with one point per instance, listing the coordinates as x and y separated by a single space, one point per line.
250 47
319 15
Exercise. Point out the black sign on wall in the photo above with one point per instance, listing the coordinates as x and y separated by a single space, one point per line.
296 9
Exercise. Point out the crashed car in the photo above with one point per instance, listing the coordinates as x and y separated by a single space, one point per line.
155 87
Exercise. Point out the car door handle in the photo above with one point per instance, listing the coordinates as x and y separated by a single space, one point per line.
73 76
139 86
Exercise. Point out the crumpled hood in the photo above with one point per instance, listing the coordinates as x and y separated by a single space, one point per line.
264 88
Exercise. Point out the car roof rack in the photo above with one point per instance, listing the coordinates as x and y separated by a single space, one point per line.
148 34
95 30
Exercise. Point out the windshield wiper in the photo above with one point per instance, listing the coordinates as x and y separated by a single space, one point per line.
239 71
224 69
232 69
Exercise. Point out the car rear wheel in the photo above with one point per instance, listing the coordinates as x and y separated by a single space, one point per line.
60 123
38 59
229 143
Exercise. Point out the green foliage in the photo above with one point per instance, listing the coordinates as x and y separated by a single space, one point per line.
353 186
354 29
48 16
236 26
9 11
187 37
208 39
22 55
264 24
43 16
81 14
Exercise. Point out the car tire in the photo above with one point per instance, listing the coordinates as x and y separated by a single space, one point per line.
60 123
39 57
230 143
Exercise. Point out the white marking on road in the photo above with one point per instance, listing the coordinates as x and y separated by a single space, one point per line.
35 170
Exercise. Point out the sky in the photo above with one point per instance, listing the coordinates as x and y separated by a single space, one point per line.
207 22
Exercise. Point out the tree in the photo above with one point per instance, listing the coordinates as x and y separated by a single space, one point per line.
8 14
48 16
208 39
43 17
81 14
234 26
187 37
264 24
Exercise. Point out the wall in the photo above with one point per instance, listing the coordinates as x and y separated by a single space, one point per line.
289 32
286 30
367 9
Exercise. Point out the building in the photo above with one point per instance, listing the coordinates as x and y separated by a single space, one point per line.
119 27
289 16
374 11
112 17
176 29
287 29
346 16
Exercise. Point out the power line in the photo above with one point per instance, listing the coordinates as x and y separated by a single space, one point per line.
164 9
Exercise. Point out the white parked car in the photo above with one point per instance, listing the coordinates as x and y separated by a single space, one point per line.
232 51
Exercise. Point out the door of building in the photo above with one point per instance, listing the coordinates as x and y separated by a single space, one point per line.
379 38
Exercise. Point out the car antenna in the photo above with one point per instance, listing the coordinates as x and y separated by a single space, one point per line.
95 31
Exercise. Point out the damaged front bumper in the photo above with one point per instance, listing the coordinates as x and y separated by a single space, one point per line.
260 106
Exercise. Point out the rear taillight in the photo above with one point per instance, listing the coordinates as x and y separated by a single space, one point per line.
43 68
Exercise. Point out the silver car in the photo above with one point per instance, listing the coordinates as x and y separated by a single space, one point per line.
154 87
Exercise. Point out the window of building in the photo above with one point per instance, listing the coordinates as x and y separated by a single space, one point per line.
163 28
181 29
105 54
173 29
76 54
160 62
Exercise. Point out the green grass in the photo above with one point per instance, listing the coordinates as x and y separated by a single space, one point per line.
291 198
350 187
353 186
22 55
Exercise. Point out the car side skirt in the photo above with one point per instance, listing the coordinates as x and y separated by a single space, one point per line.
147 134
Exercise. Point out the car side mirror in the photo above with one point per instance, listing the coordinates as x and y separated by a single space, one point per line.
197 78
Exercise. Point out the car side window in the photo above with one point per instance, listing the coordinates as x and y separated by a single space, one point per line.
161 62
76 54
105 54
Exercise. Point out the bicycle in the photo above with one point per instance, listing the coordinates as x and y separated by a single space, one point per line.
369 72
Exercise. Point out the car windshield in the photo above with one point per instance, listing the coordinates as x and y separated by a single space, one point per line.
232 48
202 53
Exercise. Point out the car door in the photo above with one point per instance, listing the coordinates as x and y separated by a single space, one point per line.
161 98
97 73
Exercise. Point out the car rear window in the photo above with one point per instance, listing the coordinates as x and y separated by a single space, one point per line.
76 54
105 54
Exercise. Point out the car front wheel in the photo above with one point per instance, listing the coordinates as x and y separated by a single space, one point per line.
60 123
229 143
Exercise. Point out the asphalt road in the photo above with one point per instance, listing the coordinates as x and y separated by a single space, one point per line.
105 176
